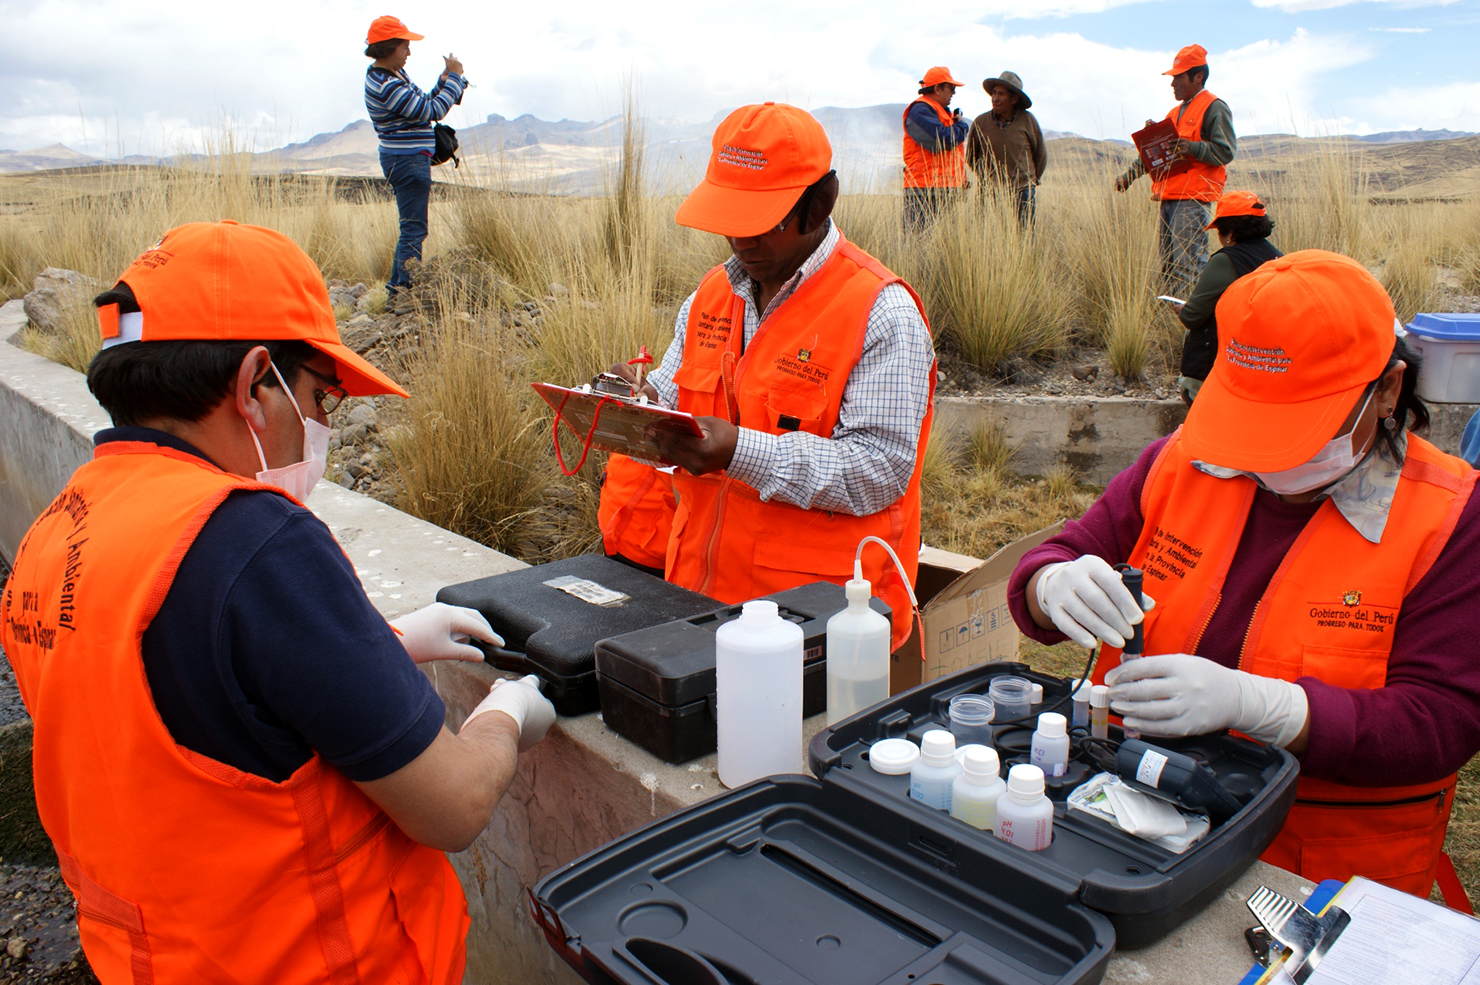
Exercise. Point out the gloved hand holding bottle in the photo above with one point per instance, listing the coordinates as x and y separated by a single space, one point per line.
441 632
1085 600
1177 694
522 701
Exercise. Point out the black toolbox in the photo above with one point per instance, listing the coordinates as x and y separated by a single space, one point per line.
551 616
842 880
657 684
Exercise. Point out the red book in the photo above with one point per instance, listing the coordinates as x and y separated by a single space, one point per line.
1157 145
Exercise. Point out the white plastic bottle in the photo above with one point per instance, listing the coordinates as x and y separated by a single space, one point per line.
936 770
974 793
1024 814
1099 711
857 653
1051 744
758 693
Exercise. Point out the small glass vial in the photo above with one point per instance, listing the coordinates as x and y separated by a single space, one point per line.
1051 744
1099 711
1035 698
1024 814
974 793
936 770
1081 704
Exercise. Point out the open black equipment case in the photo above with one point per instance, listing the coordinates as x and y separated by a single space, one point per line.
842 879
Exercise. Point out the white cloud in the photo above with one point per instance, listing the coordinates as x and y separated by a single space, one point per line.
1296 6
1401 30
1451 106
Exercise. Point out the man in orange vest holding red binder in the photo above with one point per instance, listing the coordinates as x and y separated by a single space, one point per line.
810 369
1206 142
244 773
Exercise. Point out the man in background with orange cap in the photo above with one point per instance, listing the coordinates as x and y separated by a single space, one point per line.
1206 143
1243 227
810 369
244 773
1314 566
934 148
404 119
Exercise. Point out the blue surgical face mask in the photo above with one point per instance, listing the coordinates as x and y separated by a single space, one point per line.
1327 466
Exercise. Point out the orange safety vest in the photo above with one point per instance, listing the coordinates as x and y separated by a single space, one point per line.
929 169
636 511
1200 182
1329 612
727 542
187 870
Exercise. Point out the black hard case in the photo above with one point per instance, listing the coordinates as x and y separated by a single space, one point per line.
657 684
843 880
1144 889
552 633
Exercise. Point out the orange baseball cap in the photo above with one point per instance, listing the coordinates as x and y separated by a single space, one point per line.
222 281
388 27
936 76
1189 57
1299 339
764 157
1237 203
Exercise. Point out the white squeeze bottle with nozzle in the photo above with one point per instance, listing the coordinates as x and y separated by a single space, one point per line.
974 793
935 771
857 653
1024 814
758 694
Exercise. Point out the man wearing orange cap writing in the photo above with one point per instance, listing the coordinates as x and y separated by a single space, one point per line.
934 148
811 371
1206 143
244 774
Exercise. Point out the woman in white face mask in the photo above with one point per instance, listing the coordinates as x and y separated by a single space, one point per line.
1314 566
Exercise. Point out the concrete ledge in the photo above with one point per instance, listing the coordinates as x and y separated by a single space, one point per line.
1099 437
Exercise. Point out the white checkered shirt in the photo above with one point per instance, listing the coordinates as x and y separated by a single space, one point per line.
867 464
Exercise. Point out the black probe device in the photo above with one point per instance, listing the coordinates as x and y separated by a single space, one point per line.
1172 776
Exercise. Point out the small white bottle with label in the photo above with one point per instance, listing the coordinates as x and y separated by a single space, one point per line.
1081 704
935 772
1024 814
1051 744
975 792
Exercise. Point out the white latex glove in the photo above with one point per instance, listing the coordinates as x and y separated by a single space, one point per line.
1086 599
441 632
522 701
1176 694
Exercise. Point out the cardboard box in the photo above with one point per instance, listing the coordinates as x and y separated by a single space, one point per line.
963 605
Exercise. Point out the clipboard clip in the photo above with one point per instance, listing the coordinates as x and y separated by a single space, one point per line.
1307 936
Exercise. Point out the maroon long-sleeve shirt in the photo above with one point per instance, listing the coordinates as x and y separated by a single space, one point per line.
1423 725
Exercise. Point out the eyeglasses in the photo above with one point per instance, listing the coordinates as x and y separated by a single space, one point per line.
804 204
330 397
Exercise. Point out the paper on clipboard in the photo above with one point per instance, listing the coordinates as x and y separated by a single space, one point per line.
623 426
1395 939
1157 145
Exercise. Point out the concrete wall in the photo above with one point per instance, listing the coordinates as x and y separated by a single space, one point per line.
1100 437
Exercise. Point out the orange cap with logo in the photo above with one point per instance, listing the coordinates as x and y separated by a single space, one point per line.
387 27
1237 203
1189 57
1299 340
937 75
764 157
224 282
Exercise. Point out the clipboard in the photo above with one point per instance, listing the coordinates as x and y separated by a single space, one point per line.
1157 145
616 424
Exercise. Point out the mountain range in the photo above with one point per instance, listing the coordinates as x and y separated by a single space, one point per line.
577 157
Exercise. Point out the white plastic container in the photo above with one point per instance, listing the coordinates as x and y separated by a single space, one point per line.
758 694
1035 698
893 757
1081 704
857 654
1051 744
974 793
1024 814
1450 346
1099 711
936 770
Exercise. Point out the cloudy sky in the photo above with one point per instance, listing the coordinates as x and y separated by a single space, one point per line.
109 77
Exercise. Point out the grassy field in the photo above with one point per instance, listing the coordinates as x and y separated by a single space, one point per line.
471 449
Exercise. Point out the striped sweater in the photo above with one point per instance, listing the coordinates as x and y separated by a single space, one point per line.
402 114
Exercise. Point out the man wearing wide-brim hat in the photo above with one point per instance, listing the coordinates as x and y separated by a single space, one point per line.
1006 147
